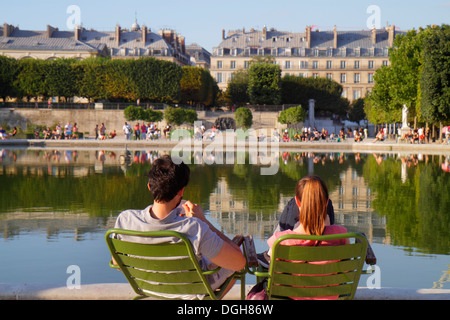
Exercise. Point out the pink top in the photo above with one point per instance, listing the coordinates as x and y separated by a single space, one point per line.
333 229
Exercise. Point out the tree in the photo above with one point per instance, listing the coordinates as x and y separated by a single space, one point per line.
327 93
356 111
397 84
8 71
156 80
133 113
178 116
435 77
244 118
197 86
30 81
264 83
90 78
237 89
292 115
59 78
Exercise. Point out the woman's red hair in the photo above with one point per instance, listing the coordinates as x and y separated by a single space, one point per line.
312 193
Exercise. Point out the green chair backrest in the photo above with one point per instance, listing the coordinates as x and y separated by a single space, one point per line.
165 268
294 271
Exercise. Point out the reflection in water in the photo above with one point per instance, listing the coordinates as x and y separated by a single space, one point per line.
394 199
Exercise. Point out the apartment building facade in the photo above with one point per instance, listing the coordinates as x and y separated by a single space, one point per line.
81 43
347 57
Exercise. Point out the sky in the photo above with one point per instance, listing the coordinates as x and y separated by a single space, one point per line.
202 21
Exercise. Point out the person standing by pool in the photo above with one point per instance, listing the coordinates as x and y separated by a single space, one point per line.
127 130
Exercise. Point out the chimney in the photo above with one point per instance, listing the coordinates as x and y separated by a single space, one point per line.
223 34
391 31
50 31
117 35
265 32
8 30
308 37
183 45
144 34
335 40
77 33
374 35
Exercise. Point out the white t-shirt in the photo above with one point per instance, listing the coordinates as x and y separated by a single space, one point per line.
205 242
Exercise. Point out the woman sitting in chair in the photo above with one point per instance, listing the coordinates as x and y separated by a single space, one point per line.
311 196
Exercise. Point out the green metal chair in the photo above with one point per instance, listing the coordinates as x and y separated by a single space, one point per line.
293 273
166 268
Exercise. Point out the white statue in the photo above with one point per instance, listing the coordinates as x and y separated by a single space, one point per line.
405 116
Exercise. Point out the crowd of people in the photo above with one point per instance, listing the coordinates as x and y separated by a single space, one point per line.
5 135
144 132
59 132
308 134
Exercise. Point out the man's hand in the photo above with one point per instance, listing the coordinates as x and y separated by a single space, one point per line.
193 210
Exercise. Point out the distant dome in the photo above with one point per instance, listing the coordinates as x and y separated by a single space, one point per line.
135 26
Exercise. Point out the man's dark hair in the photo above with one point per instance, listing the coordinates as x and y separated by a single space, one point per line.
167 178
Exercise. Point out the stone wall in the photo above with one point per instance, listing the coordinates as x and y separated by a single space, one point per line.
113 119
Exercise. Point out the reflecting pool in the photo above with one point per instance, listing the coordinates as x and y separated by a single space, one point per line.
55 206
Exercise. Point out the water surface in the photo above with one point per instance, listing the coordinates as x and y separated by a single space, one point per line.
55 206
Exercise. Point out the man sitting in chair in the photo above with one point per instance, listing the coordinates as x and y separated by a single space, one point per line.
167 182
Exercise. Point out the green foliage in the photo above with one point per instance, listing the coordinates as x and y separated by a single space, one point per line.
356 111
177 116
8 69
237 89
197 86
264 83
133 113
292 115
418 77
435 77
327 93
243 117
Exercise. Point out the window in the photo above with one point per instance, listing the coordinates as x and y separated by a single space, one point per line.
315 65
329 64
385 63
234 51
356 64
343 77
219 64
315 75
342 64
287 64
356 94
371 64
329 76
219 78
246 64
303 64
356 78
370 78
232 64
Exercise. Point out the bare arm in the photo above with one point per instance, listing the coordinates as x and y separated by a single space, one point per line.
230 256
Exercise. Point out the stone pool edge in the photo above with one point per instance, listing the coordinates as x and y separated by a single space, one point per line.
123 291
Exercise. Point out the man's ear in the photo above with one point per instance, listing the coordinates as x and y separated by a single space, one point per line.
297 201
148 185
181 192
